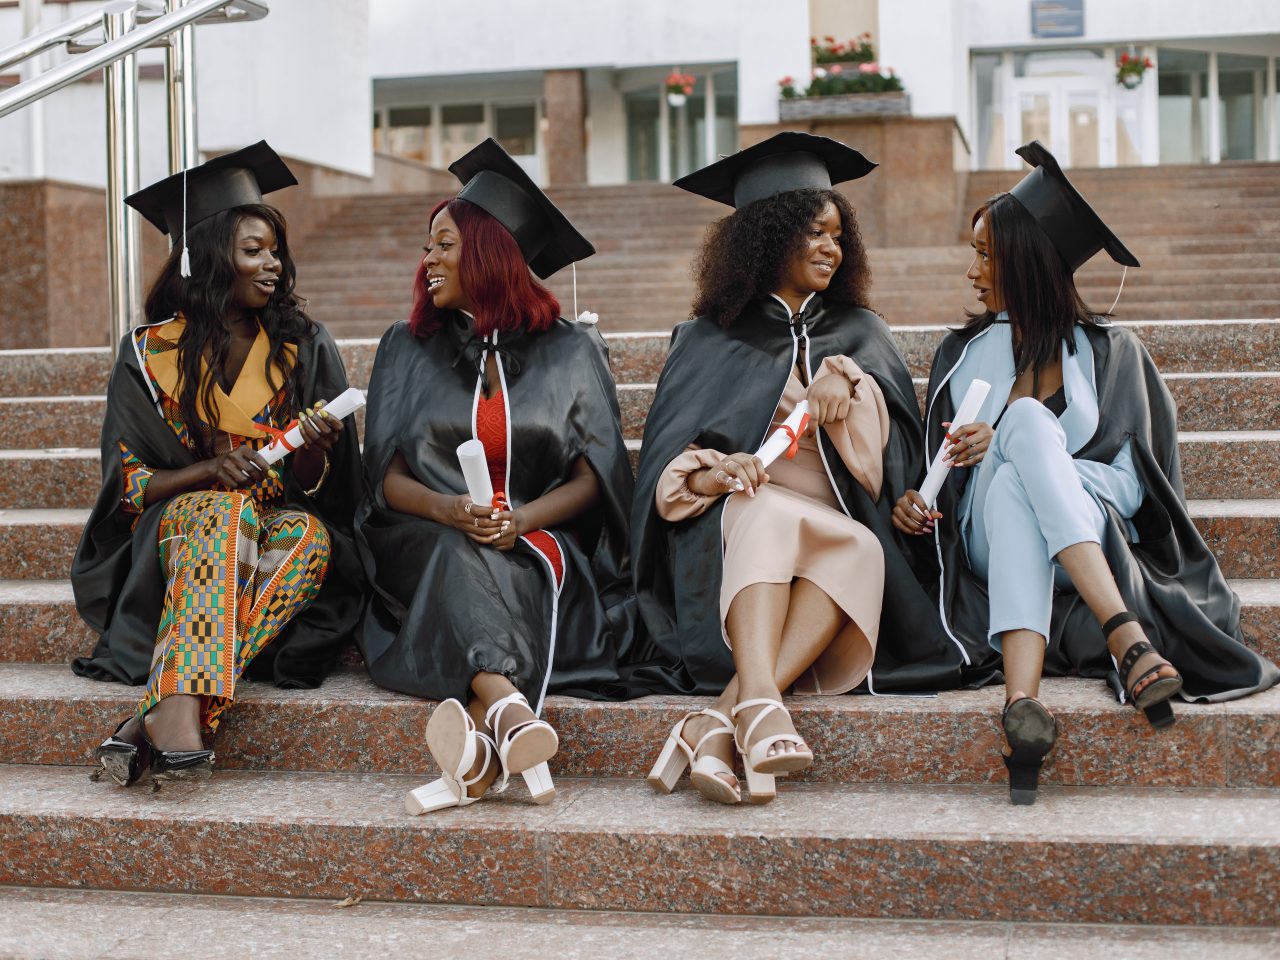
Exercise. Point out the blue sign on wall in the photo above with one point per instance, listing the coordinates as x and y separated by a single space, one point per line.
1057 18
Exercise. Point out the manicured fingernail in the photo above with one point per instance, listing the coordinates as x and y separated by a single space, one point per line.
750 492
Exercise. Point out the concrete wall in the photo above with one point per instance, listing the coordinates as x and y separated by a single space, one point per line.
1001 23
914 197
769 39
298 78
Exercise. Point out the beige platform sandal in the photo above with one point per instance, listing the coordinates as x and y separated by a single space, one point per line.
707 773
525 749
453 740
759 766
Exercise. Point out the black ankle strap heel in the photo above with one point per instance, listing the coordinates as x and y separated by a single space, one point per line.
1155 696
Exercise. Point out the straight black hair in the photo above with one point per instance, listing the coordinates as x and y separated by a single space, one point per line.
204 300
1035 284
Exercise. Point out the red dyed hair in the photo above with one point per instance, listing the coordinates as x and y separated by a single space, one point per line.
504 295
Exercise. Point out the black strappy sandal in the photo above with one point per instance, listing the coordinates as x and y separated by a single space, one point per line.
1031 731
1155 696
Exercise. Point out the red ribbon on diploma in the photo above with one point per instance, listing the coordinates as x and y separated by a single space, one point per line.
500 501
279 434
795 437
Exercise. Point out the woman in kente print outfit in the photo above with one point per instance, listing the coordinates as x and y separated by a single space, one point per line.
199 554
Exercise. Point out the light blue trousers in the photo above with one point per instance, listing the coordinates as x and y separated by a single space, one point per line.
1028 505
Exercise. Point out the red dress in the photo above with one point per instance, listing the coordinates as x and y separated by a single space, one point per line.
491 430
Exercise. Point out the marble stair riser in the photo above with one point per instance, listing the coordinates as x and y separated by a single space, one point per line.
48 716
823 850
1205 402
1244 346
43 626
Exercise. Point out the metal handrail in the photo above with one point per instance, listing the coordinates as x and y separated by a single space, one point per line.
38 43
29 91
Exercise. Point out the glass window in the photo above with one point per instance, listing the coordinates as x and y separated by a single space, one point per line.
988 111
1184 106
461 128
1036 117
1242 84
407 134
726 113
1129 124
687 124
1082 128
516 128
642 134
1079 62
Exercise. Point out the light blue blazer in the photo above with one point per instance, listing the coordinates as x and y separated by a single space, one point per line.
989 357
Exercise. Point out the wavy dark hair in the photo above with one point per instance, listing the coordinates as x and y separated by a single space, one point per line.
205 300
1035 284
745 254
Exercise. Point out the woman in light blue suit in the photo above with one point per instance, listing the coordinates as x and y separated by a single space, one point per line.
1063 535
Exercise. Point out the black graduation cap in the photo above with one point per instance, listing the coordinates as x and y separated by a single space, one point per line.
1065 216
232 180
785 162
499 186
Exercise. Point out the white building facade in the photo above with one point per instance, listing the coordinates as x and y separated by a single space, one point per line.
332 82
1006 70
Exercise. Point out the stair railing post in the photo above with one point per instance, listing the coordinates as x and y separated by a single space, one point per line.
124 259
180 80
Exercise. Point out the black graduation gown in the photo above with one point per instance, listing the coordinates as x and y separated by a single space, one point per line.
720 388
116 576
1168 577
444 608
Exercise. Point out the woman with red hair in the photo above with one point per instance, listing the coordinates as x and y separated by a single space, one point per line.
488 606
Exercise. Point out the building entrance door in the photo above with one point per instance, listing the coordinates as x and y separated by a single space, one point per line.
1073 116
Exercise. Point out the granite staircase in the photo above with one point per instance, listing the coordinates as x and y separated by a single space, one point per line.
898 839
1206 237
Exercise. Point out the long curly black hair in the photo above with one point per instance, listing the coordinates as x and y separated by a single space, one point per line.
205 300
745 254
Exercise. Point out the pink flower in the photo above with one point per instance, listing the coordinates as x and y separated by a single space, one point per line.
836 69
868 68
786 81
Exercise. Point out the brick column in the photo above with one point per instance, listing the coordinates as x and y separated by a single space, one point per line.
565 140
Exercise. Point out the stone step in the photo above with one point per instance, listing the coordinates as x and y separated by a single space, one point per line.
1218 464
621 274
1235 401
50 716
1178 346
43 921
1126 855
39 623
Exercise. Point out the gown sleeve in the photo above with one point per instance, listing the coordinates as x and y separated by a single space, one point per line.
675 501
861 437
136 477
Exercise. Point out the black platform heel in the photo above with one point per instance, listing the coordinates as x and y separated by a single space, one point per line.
1031 731
125 759
176 764
1155 696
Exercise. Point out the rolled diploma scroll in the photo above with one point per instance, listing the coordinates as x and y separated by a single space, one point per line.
778 442
340 407
968 412
475 470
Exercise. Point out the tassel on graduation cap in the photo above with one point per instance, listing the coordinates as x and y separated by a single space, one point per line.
184 268
233 180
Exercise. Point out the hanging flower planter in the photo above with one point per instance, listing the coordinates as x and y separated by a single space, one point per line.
1130 68
679 86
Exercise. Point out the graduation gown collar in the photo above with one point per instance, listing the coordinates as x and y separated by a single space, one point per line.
249 394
